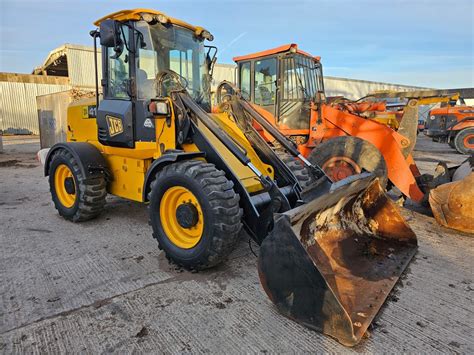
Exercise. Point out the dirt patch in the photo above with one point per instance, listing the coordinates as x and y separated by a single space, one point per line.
16 163
142 333
8 163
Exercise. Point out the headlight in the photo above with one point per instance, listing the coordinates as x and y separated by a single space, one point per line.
159 107
432 117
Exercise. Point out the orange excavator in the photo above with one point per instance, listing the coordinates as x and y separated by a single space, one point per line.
285 86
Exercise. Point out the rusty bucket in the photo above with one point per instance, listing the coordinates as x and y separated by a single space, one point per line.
331 263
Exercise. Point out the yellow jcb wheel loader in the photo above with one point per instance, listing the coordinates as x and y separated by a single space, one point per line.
328 263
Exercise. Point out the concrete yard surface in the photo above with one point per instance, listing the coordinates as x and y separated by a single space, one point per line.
103 285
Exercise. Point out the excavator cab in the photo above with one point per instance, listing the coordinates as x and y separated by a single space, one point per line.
285 82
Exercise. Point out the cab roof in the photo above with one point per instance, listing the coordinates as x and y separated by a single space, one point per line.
136 15
268 52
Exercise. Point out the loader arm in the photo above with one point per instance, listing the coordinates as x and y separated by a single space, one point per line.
409 125
246 114
224 147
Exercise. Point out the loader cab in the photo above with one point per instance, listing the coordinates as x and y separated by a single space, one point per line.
134 53
284 82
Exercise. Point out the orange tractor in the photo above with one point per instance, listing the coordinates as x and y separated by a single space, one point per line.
454 125
285 86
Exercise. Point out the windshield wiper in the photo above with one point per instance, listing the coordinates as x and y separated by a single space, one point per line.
306 95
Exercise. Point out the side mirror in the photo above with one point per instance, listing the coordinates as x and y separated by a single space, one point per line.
211 59
109 33
208 61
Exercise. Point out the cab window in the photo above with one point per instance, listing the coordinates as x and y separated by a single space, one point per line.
265 81
245 80
118 73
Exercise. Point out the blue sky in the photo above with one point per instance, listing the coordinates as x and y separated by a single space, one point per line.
418 42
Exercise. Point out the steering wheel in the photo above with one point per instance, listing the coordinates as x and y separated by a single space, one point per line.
174 78
176 81
224 92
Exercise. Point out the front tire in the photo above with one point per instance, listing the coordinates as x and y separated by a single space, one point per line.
464 141
341 157
195 214
76 198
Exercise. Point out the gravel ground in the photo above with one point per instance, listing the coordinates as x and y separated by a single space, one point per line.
103 285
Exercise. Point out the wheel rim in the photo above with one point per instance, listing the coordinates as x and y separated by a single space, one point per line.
469 141
181 217
65 186
338 168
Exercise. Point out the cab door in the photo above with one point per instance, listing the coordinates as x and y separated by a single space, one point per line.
265 83
115 113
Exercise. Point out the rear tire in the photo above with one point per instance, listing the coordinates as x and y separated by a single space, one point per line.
195 214
341 157
464 141
297 168
76 198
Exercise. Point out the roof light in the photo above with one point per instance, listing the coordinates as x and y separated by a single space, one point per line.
163 19
148 18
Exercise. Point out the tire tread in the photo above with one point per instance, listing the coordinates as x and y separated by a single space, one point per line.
224 203
92 192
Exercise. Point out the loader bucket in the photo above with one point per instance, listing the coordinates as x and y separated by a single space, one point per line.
331 263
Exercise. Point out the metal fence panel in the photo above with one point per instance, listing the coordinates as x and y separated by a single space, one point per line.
52 117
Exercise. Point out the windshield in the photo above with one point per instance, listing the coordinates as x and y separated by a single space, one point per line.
302 78
173 48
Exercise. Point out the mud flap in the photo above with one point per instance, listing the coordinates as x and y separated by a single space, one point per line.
331 263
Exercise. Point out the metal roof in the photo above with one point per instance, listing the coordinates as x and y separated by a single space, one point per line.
137 14
285 48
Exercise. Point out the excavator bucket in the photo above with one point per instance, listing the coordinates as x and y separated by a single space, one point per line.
453 204
331 263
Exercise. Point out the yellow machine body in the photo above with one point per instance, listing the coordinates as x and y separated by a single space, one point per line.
129 166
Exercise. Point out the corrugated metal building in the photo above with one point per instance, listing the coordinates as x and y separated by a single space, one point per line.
18 92
355 89
73 61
